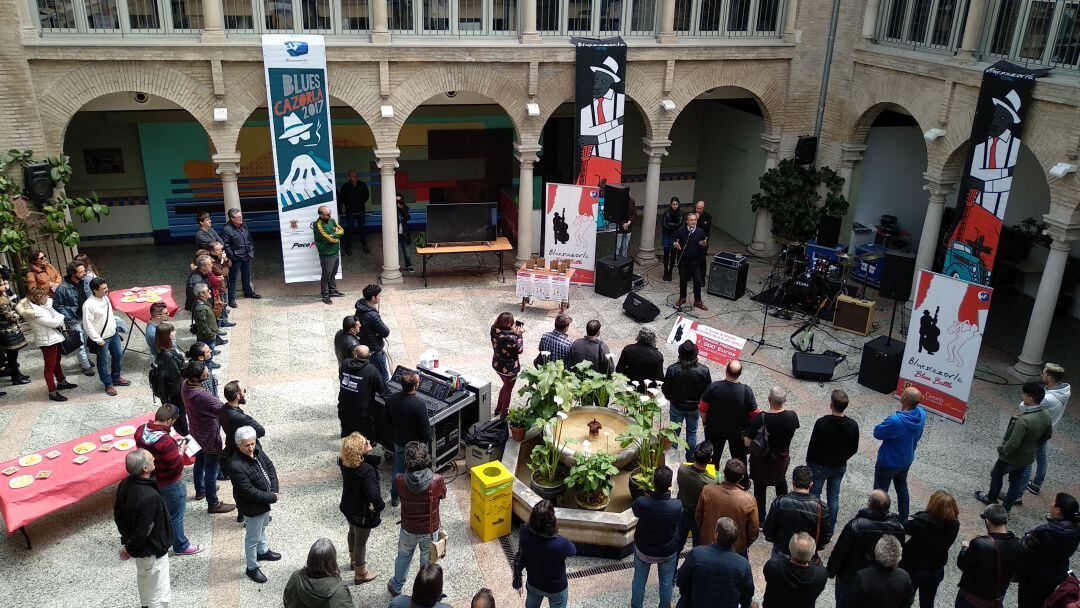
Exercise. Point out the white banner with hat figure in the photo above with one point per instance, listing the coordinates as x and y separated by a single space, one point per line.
298 99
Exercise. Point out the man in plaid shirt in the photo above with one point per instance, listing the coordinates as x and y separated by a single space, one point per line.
557 342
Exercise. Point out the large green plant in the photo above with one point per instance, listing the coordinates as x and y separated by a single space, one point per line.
597 389
593 474
541 385
793 196
544 458
649 434
14 230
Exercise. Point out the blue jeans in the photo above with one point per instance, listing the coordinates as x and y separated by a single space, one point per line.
622 244
175 495
883 477
833 477
82 354
403 245
534 597
1040 466
399 468
255 538
109 360
1018 478
665 570
689 420
688 525
407 544
242 268
381 363
206 471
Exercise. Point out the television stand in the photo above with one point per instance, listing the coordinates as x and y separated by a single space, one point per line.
497 247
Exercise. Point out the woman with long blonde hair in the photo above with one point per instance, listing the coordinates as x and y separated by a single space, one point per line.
361 500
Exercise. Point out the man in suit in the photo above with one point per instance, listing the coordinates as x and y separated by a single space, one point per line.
691 242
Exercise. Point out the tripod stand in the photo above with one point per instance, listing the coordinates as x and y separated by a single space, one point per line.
765 317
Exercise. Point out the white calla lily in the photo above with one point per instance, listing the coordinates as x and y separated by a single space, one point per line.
562 415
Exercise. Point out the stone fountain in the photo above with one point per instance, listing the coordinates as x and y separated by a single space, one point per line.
601 427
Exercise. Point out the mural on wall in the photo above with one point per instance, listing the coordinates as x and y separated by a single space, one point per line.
601 110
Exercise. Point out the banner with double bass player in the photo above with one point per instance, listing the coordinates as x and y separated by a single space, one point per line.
601 110
943 341
570 227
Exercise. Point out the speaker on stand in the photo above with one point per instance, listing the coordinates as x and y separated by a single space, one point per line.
882 357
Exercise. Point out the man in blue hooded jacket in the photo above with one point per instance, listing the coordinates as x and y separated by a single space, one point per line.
899 434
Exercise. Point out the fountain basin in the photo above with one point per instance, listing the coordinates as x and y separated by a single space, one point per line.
575 431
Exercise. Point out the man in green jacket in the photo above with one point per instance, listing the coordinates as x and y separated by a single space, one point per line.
328 242
1017 450
206 326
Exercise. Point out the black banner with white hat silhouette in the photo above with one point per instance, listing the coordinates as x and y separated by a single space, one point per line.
601 109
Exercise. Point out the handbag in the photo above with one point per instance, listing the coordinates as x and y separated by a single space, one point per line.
759 444
94 347
437 548
72 341
12 338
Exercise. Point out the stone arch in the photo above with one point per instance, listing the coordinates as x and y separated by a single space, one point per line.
559 89
249 94
427 83
860 130
766 86
70 92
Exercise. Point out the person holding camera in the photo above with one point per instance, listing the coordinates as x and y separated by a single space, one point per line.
507 345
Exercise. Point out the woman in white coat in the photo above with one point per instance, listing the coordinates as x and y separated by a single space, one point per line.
47 325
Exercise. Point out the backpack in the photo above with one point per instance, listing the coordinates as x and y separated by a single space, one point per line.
154 378
759 444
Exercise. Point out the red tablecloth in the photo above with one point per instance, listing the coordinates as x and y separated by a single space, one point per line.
141 310
69 482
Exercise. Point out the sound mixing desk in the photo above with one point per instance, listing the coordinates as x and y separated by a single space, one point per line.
454 402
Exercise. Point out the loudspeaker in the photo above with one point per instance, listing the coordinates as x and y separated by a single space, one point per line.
809 366
613 278
853 314
806 150
616 203
897 273
38 182
828 231
880 367
639 308
727 282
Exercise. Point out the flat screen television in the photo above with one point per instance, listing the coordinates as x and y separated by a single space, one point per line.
461 222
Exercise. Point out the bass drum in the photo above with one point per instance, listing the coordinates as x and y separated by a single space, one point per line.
807 289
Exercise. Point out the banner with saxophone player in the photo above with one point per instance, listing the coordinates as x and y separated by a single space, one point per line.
299 106
601 110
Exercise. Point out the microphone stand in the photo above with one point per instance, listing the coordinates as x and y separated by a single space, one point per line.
765 317
678 261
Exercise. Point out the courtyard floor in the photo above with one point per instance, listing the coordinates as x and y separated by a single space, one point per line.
282 351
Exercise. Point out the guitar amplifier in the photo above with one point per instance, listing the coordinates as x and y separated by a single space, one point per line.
854 315
730 260
727 281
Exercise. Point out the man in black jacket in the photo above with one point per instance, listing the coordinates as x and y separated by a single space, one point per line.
359 382
833 442
233 416
353 210
345 340
858 539
882 584
241 250
684 383
725 409
255 487
795 582
373 332
691 242
203 267
408 419
145 532
68 301
797 511
656 540
641 361
988 563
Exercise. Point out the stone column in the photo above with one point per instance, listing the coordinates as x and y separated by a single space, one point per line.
655 150
213 21
849 155
763 243
529 35
973 30
870 16
391 270
1029 366
789 20
526 155
380 23
228 167
665 34
931 228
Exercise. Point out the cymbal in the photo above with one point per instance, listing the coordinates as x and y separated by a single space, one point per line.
786 242
870 257
849 263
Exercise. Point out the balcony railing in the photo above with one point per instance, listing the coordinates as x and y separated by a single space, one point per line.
1033 32
119 16
925 24
729 18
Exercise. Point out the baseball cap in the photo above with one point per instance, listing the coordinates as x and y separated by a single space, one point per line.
995 514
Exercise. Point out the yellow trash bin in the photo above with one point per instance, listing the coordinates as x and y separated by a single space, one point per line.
492 500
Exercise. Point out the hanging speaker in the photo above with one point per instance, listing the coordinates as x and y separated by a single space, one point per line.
616 203
38 182
806 150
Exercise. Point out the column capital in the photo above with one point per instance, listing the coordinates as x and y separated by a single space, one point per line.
655 148
526 152
851 153
937 186
771 143
228 164
387 158
1063 234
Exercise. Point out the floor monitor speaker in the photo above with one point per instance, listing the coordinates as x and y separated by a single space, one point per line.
809 366
880 366
727 282
614 278
642 310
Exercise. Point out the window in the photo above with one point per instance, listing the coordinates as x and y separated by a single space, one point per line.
278 14
400 15
316 15
56 14
354 16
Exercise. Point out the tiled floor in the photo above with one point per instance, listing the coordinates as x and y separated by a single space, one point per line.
281 349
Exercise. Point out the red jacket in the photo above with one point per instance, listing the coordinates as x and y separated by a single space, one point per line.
420 493
168 462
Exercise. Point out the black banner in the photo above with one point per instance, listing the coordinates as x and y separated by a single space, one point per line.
991 162
601 110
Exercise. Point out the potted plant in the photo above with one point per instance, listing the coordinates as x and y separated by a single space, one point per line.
593 475
544 460
541 385
650 437
792 195
519 420
596 389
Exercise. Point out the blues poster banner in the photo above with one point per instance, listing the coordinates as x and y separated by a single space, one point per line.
601 109
299 105
569 228
987 182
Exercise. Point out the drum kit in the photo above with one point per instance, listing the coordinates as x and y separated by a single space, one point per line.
807 280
